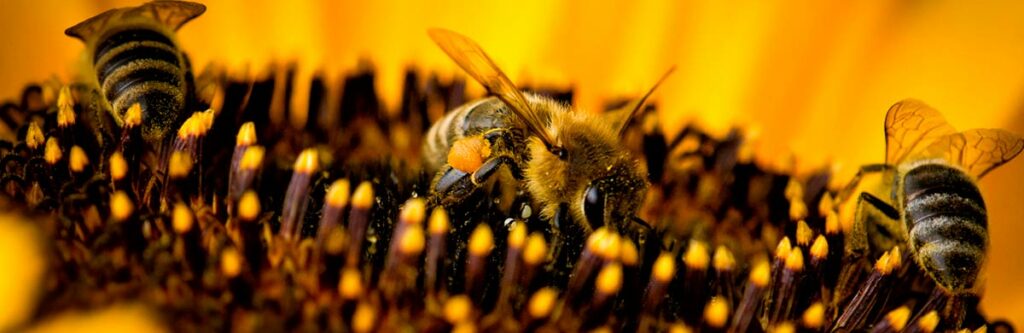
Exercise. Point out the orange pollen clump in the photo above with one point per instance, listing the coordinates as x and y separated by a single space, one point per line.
468 154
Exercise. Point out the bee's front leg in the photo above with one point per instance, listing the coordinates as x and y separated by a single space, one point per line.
486 171
567 241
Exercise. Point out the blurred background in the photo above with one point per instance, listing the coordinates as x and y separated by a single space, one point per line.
814 78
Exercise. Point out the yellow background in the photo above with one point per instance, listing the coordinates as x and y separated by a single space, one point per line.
814 77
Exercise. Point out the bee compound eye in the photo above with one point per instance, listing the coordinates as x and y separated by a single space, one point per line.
594 206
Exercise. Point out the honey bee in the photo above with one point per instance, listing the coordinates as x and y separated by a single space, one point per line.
134 57
570 162
933 206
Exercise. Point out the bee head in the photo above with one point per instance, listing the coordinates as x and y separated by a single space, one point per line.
598 178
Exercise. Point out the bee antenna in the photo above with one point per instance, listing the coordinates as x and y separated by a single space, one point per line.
643 101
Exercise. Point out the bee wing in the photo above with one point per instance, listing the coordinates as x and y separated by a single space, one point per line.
171 13
86 29
978 151
468 55
910 126
621 118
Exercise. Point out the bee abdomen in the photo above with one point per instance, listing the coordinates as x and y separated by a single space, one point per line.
142 66
939 216
440 137
138 74
954 265
949 232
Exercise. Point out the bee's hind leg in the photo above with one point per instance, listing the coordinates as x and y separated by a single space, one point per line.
453 184
488 169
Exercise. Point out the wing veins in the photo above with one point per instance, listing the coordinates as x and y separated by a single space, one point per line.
471 58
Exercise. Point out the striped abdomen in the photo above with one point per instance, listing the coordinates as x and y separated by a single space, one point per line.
142 65
945 216
471 118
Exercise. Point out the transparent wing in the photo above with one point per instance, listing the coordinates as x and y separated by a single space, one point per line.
88 28
172 13
468 55
910 126
978 151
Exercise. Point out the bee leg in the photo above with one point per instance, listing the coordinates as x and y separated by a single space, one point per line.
562 219
642 232
882 231
881 205
640 222
866 169
876 228
567 242
852 202
452 185
451 178
487 169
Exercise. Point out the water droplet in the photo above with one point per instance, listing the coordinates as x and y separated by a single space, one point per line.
527 212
